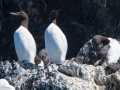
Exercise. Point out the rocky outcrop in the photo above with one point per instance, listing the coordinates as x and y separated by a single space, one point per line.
87 55
70 75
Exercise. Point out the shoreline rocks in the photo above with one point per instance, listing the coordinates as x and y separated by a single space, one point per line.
70 75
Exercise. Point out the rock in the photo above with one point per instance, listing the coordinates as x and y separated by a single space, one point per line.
87 54
113 79
26 65
5 68
84 71
51 79
100 77
70 75
78 70
114 66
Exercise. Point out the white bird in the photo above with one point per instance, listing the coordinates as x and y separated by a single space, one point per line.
4 85
25 45
55 40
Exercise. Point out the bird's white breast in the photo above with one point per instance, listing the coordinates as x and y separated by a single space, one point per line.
24 44
56 44
41 64
113 53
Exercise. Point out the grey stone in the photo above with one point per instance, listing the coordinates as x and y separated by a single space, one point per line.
70 75
87 54
26 65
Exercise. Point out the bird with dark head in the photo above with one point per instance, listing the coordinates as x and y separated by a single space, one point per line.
97 40
108 53
25 45
100 43
53 16
23 17
55 40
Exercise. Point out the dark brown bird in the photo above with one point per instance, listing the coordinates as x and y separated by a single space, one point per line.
43 56
108 53
97 40
102 55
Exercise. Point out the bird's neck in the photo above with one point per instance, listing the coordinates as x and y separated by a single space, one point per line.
24 23
54 21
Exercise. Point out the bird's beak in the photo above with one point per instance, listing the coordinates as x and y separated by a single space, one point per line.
12 13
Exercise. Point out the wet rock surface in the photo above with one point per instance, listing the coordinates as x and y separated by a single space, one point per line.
80 20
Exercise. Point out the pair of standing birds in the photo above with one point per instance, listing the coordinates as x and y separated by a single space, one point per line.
55 41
